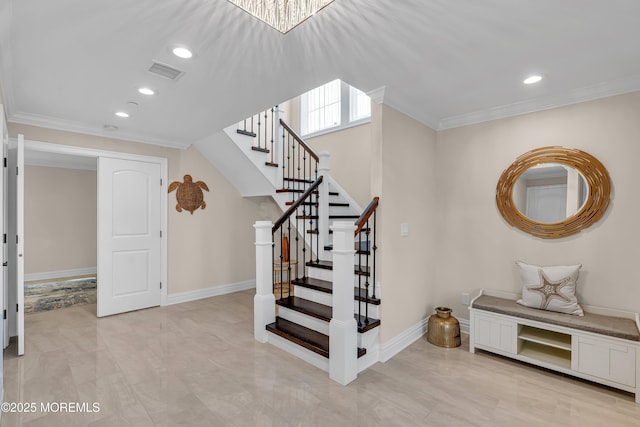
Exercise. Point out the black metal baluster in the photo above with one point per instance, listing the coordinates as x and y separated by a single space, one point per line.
283 161
304 243
359 279
281 264
366 283
259 134
289 258
266 128
373 250
273 129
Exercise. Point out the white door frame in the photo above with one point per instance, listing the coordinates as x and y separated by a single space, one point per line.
47 147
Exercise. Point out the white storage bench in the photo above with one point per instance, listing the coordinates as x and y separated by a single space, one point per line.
602 346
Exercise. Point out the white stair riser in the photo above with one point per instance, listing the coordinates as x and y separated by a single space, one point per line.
312 295
368 339
374 310
304 320
320 273
327 299
299 351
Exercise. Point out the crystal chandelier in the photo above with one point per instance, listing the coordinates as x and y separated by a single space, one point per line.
283 15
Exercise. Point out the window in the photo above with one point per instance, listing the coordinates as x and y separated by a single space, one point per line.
333 106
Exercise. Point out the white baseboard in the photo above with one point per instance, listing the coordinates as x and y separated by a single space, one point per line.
409 336
403 340
46 275
212 291
464 325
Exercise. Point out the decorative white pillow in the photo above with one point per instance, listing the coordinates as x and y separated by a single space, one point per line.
550 288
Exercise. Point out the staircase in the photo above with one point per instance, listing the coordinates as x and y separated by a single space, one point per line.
315 298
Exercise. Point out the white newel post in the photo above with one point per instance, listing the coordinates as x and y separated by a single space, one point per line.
343 329
323 199
264 303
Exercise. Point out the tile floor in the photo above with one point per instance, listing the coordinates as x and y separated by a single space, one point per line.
197 364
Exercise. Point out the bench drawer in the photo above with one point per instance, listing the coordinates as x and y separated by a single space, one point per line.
607 360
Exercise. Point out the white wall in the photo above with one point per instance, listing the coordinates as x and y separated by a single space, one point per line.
60 219
477 248
404 176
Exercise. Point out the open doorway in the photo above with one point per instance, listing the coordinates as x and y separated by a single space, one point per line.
131 211
60 231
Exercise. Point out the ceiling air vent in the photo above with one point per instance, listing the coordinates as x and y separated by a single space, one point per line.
165 71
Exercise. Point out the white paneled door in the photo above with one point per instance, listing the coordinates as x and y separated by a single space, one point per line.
129 235
15 312
4 229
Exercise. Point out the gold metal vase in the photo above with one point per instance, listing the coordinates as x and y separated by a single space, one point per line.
443 329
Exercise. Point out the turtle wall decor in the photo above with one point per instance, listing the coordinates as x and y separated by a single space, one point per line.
189 194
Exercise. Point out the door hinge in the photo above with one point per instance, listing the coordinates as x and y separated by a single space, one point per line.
160 182
5 162
17 239
160 233
160 285
17 308
17 171
5 237
5 314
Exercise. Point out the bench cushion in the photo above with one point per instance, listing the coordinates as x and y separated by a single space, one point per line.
617 327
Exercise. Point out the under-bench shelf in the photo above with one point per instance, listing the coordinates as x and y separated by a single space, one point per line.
603 346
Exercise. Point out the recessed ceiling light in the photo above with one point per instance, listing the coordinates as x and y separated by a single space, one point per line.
182 52
146 91
122 114
535 78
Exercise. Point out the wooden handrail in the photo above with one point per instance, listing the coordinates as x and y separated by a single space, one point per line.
300 141
361 222
295 206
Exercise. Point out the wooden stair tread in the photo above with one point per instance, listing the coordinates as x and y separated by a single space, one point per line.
344 216
307 217
328 265
324 312
305 337
362 297
364 326
315 284
262 150
273 165
313 232
305 180
329 247
290 202
310 308
336 204
327 287
246 132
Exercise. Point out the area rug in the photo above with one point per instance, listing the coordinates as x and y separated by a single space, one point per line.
59 294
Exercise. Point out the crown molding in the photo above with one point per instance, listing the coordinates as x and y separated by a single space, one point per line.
377 95
72 126
584 94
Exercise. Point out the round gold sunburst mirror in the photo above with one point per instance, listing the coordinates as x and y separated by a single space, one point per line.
553 192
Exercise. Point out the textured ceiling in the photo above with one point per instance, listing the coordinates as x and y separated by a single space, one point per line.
70 64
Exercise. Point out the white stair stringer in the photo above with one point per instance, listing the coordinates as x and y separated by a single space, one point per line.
236 165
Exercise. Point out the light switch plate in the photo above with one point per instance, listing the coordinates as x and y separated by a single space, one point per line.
404 229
